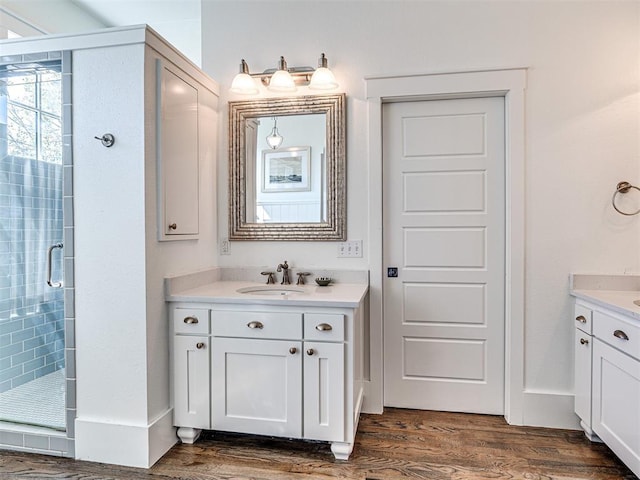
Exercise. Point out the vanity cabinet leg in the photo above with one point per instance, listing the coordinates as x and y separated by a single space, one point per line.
188 434
341 450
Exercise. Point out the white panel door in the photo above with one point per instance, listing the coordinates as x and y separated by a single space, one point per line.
444 217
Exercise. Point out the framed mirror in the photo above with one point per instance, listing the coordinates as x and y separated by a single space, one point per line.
287 178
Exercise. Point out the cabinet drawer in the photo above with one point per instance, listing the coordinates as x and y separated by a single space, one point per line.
324 327
618 333
582 318
191 321
278 325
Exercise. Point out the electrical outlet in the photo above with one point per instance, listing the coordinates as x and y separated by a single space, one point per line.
225 249
351 248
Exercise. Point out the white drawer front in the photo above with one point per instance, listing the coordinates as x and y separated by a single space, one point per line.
191 321
620 334
277 325
324 327
582 318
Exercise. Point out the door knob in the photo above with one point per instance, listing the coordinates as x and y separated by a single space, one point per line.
200 345
173 226
293 350
310 352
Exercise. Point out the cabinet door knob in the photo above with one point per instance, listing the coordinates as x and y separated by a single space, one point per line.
581 319
190 320
173 226
255 325
584 341
310 352
293 350
200 345
324 327
621 335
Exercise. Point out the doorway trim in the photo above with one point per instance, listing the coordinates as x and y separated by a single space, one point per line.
507 83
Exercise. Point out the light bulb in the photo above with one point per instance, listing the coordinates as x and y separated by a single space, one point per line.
323 79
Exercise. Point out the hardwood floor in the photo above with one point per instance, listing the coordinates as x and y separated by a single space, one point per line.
399 445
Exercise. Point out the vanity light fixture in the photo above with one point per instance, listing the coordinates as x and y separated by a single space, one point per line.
284 78
323 78
274 139
281 80
242 82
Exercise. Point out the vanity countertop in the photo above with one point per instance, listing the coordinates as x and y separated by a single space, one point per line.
620 301
335 295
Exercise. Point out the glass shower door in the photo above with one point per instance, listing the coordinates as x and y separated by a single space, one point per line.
32 376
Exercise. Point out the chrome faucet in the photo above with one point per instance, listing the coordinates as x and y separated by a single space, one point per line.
284 268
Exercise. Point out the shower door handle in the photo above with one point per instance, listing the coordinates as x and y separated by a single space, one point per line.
49 255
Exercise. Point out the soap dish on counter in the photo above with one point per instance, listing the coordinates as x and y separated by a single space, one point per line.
323 281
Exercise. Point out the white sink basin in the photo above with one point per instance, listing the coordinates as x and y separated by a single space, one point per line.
270 290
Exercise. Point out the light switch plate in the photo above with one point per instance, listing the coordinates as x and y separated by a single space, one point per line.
351 248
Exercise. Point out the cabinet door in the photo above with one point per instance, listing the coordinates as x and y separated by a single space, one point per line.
191 376
616 401
178 153
582 376
257 386
324 391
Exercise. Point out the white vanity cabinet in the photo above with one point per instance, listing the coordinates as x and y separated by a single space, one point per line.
607 379
294 372
582 367
192 371
616 386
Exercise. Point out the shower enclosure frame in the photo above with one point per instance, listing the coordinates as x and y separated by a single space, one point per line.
41 439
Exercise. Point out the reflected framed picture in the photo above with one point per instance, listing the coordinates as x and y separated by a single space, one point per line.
286 170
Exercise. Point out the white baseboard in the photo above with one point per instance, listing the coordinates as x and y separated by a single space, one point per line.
549 409
128 445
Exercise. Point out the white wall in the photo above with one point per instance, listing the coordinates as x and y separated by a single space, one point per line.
582 126
47 16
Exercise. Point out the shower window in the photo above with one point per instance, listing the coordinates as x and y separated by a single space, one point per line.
34 116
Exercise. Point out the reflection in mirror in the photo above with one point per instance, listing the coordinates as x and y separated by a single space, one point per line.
289 182
296 190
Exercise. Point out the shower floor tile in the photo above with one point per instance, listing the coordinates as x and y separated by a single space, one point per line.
40 402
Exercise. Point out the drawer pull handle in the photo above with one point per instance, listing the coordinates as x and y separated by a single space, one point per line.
310 352
324 327
581 319
293 350
621 335
584 341
199 345
190 320
255 325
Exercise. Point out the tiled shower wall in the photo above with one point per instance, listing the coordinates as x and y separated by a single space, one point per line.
31 313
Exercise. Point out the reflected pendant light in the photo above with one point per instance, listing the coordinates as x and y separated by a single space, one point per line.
274 139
